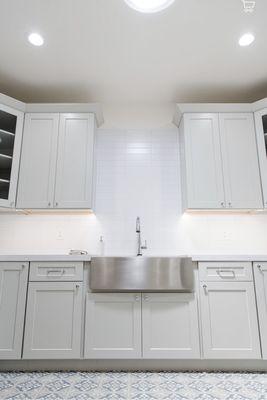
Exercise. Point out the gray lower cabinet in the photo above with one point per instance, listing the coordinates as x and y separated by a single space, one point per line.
229 320
170 325
53 320
260 273
134 325
13 288
113 325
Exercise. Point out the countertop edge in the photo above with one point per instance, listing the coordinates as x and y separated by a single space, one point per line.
44 257
87 258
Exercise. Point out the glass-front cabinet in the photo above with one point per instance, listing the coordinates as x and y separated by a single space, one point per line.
261 129
11 124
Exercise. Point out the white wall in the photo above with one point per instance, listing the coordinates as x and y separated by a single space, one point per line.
137 174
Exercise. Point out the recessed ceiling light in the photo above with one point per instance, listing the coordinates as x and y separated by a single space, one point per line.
246 39
149 6
36 39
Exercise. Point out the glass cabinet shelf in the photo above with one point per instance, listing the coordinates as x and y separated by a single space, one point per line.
3 133
5 161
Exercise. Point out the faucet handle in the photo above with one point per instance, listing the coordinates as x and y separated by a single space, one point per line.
144 246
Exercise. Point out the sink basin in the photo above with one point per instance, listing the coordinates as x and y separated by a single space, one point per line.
157 274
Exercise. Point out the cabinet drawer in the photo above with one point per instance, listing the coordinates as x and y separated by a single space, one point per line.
225 271
56 271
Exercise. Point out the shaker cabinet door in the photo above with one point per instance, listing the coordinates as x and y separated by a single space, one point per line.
229 320
38 161
13 289
53 320
74 177
170 325
204 178
113 325
240 161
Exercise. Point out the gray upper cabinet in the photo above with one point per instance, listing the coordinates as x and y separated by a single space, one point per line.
38 161
11 124
13 289
261 129
57 161
75 161
240 161
220 168
201 161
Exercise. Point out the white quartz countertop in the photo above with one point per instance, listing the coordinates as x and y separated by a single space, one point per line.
44 257
231 257
87 257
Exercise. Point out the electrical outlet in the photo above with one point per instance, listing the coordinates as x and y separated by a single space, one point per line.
59 235
227 236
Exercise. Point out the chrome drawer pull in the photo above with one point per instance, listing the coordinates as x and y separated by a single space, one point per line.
56 272
221 273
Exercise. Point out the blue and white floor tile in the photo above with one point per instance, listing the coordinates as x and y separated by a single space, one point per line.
132 386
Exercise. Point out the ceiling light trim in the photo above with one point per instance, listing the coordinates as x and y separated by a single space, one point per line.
246 40
149 6
36 39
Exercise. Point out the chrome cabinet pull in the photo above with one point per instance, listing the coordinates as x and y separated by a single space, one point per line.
220 272
136 298
146 298
261 269
222 204
56 272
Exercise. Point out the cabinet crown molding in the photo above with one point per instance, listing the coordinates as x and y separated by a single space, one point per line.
182 108
94 108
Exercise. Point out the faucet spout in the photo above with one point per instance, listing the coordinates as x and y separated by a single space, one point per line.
138 225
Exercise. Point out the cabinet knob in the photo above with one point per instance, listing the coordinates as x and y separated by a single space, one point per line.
205 287
77 287
56 204
222 204
230 204
136 298
49 204
146 297
23 266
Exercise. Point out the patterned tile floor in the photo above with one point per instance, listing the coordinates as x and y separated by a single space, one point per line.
134 386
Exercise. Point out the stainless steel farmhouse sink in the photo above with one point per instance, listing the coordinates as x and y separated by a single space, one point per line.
122 274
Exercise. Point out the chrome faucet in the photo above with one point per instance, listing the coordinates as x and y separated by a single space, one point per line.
139 240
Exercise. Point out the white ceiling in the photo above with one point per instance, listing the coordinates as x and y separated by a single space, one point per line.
101 50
